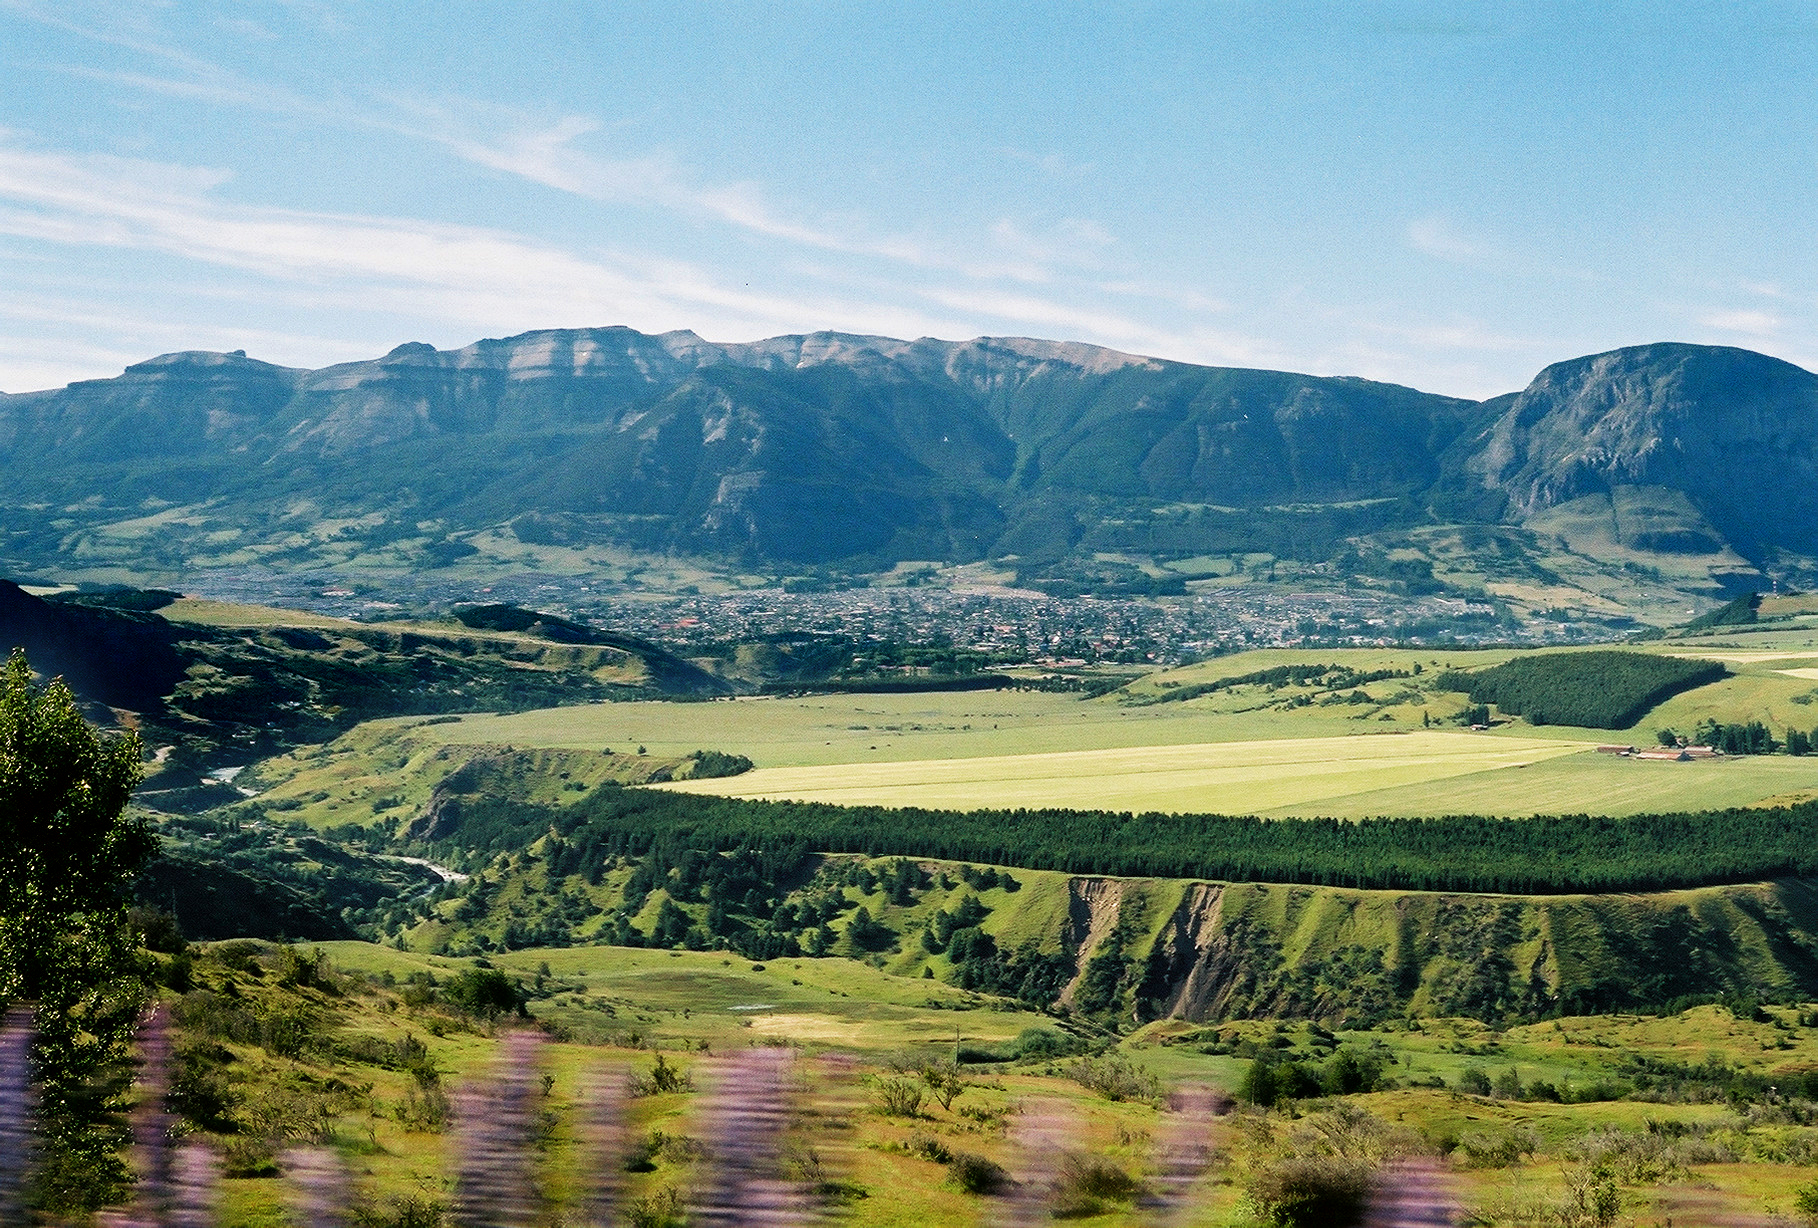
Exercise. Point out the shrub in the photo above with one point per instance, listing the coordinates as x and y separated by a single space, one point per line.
659 1145
425 1107
945 1082
974 1174
403 1211
1085 1186
1037 1043
927 1147
1311 1191
897 1097
1116 1077
484 993
1592 1199
1805 1202
662 1209
1505 1151
663 1079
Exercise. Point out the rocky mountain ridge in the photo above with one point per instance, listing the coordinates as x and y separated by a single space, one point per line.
831 448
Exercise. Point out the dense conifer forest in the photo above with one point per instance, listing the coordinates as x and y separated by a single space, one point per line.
1595 690
1542 855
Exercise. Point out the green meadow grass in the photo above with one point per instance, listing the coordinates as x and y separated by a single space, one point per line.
839 729
1032 749
1228 777
828 1006
716 997
1582 784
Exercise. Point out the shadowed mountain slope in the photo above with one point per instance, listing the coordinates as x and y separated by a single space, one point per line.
830 447
1736 432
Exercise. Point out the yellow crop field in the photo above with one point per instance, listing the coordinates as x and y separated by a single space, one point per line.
1228 777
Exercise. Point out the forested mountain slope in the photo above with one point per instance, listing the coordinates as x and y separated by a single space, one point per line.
830 447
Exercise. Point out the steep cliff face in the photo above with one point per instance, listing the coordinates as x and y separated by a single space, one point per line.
1735 432
1234 951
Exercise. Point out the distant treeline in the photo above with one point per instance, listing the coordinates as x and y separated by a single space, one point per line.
1595 690
1333 677
1545 855
904 685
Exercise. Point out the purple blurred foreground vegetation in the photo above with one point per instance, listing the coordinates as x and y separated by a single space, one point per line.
754 1174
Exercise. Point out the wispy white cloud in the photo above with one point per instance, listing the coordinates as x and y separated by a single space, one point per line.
1068 276
1763 289
480 278
1437 236
151 334
1183 298
127 26
1077 242
549 152
1456 334
222 91
1009 261
477 278
246 27
1750 323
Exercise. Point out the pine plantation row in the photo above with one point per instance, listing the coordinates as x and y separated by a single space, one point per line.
1559 854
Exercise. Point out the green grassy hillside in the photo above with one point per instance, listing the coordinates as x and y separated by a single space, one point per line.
1170 948
1702 1115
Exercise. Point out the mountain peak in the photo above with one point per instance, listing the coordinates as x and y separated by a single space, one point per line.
1722 425
201 360
828 446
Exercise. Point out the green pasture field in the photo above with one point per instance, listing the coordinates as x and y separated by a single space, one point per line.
1223 777
829 729
715 998
1240 750
1585 784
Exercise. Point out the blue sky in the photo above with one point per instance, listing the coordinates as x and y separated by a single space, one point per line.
1448 196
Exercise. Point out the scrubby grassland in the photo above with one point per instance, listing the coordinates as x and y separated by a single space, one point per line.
714 1000
381 775
365 1049
1599 690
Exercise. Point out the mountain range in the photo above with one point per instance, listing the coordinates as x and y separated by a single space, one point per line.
831 449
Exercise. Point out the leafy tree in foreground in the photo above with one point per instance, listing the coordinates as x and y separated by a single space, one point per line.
66 947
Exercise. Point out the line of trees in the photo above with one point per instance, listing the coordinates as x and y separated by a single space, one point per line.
1328 677
1471 853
